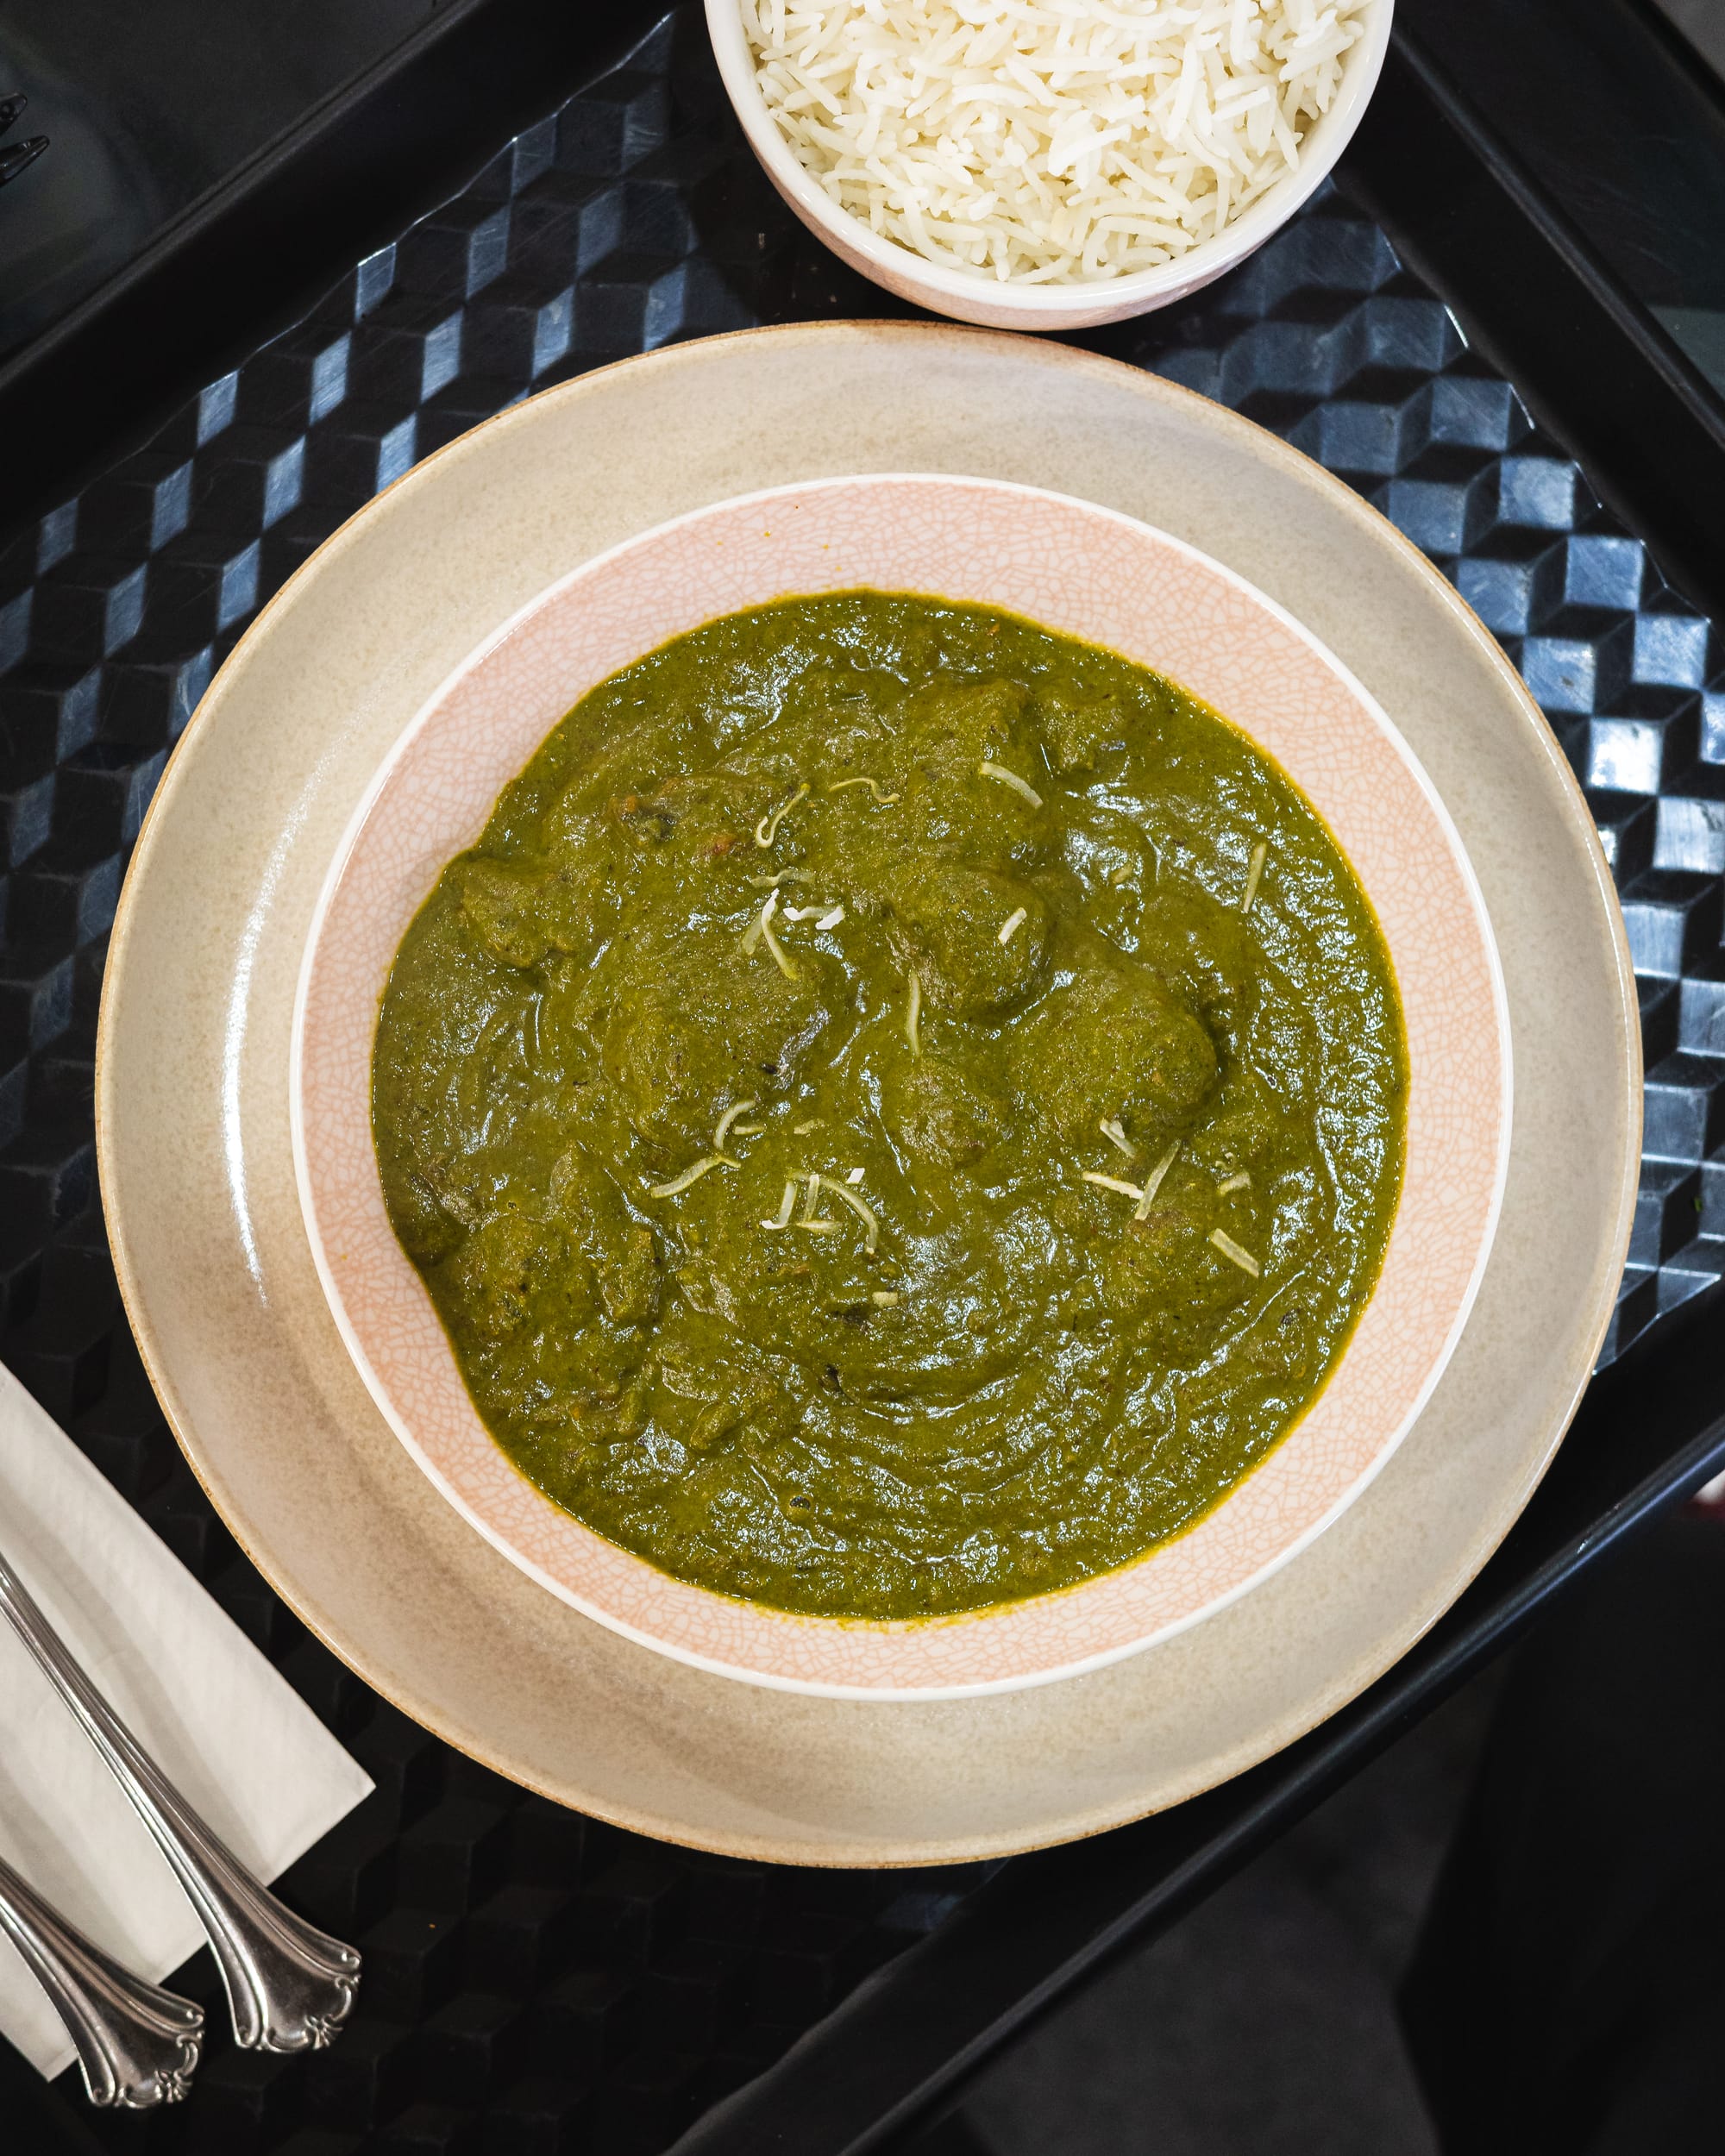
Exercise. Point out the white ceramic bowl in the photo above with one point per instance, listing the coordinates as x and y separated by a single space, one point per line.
204 1214
1087 572
984 299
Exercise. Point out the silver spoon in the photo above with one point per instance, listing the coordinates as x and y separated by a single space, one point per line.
290 1986
136 2044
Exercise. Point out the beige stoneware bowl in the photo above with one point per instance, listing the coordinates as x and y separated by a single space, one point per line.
1087 572
204 1211
985 300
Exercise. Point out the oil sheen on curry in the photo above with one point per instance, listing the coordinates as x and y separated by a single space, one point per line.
898 1111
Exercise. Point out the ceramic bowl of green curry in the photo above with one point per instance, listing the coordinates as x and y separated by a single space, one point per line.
901 1087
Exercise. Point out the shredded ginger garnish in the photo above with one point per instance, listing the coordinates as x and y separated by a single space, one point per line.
855 1176
1241 1182
1112 1182
811 1196
735 1109
1231 1250
802 1130
784 1206
1260 854
1012 779
772 883
820 1227
1114 1131
828 917
757 928
778 950
690 1175
768 829
864 1212
761 930
1011 925
885 1296
1153 1181
873 785
915 1012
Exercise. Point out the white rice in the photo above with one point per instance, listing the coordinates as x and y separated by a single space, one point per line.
1049 141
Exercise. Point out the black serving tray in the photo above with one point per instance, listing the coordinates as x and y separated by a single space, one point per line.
1431 329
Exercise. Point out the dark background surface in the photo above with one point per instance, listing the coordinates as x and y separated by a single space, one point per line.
154 111
536 1981
1623 125
147 108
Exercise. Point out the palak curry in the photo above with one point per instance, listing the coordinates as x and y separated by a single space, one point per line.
899 1111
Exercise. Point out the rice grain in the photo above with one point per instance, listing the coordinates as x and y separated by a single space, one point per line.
1049 141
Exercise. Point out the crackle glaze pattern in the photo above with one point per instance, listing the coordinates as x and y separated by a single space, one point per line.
1085 572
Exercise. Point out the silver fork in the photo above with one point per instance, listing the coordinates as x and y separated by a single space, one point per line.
290 1986
136 2044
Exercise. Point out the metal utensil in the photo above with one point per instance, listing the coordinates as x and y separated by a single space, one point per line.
289 1986
136 2044
17 155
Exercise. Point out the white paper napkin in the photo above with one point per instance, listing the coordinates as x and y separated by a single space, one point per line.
232 1735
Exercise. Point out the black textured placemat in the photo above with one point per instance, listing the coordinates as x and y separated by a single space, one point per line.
537 1982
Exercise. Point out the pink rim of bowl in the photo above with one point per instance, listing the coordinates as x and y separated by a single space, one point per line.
1087 572
987 300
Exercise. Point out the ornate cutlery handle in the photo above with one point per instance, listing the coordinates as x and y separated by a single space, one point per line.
17 156
137 2045
289 1986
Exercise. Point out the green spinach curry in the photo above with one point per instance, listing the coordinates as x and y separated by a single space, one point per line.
899 1111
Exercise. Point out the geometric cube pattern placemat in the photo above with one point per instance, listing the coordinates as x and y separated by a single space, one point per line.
535 1981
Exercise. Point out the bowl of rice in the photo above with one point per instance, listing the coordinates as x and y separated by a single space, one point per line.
1047 164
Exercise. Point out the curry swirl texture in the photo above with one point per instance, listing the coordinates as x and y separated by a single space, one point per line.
898 1111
